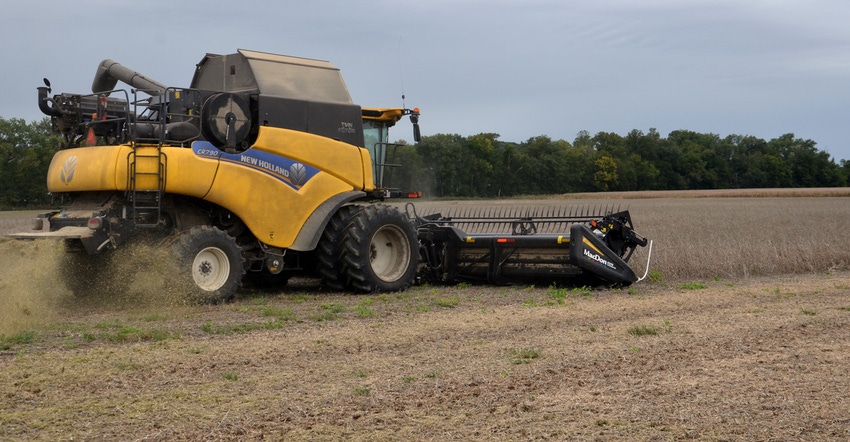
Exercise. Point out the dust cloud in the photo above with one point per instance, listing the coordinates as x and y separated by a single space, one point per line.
41 283
30 287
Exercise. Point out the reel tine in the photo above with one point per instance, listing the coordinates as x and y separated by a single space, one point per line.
488 214
500 218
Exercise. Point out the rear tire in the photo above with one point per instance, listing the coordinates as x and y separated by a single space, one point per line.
210 264
381 250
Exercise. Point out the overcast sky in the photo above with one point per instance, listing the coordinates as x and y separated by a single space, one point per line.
518 68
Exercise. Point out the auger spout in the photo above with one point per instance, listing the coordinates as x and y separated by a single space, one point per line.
110 72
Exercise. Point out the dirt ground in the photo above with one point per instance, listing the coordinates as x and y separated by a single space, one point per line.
750 358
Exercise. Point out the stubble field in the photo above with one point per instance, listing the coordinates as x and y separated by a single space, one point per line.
741 332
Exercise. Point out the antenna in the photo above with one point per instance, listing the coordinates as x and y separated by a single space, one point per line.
401 72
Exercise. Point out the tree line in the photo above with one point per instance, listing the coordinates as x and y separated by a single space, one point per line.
25 153
483 166
446 165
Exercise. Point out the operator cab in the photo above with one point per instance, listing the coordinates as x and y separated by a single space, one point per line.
376 125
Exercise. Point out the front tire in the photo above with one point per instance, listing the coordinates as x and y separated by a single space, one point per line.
381 250
330 250
210 263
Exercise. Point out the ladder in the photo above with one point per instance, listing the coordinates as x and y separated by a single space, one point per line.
147 163
146 176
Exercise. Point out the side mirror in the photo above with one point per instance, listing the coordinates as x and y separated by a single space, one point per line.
414 118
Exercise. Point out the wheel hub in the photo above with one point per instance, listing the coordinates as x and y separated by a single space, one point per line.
205 268
389 253
210 269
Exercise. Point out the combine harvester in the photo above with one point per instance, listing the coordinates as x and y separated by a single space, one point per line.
264 168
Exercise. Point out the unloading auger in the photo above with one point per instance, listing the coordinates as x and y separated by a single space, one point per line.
521 244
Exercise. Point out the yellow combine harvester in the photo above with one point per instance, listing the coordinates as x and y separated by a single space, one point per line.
264 166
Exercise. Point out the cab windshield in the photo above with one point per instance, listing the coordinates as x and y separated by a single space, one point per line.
375 135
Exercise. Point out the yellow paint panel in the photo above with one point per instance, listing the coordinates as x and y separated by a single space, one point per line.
105 168
342 160
366 164
88 169
272 210
187 173
383 114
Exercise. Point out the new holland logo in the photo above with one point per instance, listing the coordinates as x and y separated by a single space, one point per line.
298 174
68 168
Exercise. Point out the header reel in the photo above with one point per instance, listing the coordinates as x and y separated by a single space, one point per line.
527 244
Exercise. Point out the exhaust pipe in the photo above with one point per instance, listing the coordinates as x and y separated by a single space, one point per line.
109 72
43 101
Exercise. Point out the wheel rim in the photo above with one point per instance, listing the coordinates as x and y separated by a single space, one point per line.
210 269
389 253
